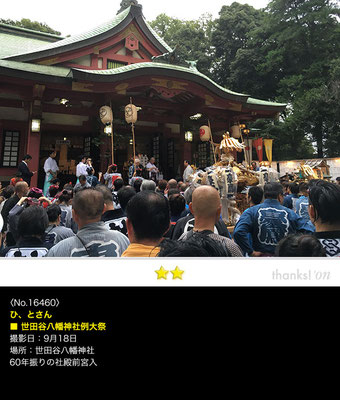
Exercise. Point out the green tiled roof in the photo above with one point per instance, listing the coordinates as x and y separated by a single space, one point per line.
60 72
193 71
257 102
82 36
13 41
146 65
90 35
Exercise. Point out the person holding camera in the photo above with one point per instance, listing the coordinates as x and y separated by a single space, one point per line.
34 198
20 190
31 228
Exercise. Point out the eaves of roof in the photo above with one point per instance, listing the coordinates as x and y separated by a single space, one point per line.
159 69
262 104
43 73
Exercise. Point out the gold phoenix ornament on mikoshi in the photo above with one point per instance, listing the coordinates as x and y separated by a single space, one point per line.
229 144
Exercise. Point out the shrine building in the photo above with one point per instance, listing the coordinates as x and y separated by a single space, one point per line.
51 90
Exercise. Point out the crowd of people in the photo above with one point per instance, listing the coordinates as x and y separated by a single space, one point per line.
107 217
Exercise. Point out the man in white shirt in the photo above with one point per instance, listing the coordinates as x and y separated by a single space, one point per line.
51 168
152 169
82 168
187 171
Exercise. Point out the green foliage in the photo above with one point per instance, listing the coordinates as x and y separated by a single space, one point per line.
191 37
33 25
306 38
288 52
230 37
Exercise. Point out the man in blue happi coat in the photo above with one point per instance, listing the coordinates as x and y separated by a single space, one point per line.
268 223
290 200
302 203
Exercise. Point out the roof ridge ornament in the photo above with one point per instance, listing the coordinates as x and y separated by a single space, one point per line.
124 4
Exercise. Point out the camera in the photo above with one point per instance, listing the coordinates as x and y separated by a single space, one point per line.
32 201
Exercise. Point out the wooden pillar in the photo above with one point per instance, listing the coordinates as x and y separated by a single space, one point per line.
94 61
183 148
33 138
163 150
187 151
105 151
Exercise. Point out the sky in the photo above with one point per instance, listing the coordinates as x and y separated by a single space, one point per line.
75 16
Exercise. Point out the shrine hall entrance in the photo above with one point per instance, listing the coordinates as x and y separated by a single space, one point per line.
70 146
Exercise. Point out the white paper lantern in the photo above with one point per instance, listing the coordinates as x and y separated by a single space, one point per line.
205 133
131 114
236 131
106 115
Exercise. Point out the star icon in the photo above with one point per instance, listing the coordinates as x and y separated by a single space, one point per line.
162 273
177 273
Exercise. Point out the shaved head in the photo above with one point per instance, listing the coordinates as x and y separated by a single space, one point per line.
88 204
206 202
172 184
